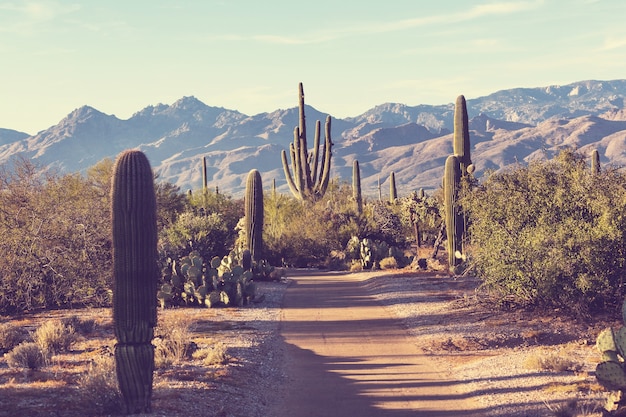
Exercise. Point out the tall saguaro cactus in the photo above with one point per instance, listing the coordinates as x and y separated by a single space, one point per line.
356 186
310 176
393 193
453 217
595 162
254 214
461 134
135 272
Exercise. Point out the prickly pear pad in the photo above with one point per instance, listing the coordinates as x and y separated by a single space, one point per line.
611 375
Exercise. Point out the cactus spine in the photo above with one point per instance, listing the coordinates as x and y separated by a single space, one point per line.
453 218
393 193
135 271
356 186
309 180
595 162
461 134
254 214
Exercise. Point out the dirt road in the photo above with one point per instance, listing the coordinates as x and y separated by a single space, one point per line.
347 356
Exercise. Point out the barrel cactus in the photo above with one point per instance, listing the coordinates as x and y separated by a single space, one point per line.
135 272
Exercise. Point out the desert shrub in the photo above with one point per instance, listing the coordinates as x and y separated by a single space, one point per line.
54 336
80 325
26 355
205 233
388 263
551 234
10 336
99 388
213 355
173 340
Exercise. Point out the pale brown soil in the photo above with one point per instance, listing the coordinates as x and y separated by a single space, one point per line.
493 351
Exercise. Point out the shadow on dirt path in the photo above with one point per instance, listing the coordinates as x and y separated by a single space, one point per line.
347 356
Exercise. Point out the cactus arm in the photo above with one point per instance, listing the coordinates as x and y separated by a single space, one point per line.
325 175
315 154
292 186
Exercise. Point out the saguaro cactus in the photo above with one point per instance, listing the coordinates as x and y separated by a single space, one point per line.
307 183
254 214
356 186
135 272
595 161
453 218
461 134
204 176
393 193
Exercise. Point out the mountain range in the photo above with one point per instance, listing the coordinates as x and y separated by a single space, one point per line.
508 126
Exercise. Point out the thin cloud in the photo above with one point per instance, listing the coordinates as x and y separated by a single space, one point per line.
612 43
476 12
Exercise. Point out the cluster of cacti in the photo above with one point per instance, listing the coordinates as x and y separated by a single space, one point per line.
458 167
372 252
253 219
611 371
224 282
135 272
309 179
356 186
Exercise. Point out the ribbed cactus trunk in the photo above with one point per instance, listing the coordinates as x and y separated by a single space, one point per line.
253 201
461 135
356 186
595 161
309 174
135 272
205 182
393 193
453 218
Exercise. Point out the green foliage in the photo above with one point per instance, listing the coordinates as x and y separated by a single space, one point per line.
54 244
551 234
208 234
421 213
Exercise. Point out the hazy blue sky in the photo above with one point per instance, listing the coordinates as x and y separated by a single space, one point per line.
249 55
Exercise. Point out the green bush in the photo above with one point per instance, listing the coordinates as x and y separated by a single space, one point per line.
551 234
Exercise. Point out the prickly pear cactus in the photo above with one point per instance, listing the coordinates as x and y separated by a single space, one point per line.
611 372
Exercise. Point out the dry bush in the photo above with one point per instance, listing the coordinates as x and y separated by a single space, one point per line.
557 362
173 340
54 337
214 355
388 263
356 266
10 336
98 386
26 355
81 325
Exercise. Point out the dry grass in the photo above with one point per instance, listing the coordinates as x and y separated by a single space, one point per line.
558 361
54 336
26 355
214 355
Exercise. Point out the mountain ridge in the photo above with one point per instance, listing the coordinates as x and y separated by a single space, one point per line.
506 126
